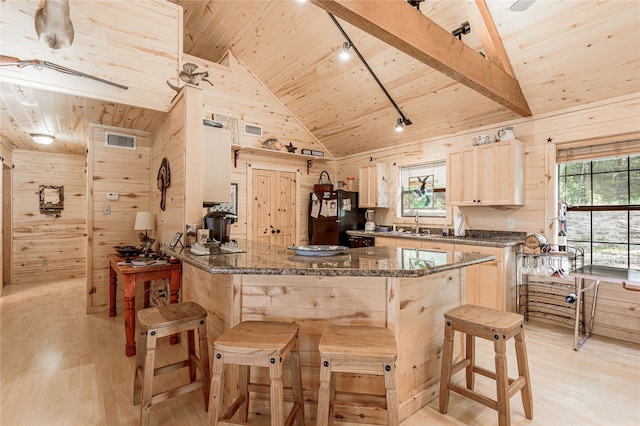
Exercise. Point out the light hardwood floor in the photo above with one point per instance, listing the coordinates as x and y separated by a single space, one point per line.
60 366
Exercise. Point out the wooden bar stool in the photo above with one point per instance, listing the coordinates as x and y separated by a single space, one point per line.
260 344
164 321
498 326
360 350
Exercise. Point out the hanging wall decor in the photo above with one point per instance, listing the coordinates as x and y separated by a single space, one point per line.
51 199
163 181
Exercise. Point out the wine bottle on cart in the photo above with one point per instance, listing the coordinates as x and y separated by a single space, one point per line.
562 238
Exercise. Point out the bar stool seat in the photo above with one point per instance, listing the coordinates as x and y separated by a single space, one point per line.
164 321
260 344
497 326
360 350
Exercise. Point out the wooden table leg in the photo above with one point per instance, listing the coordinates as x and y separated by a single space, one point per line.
174 289
113 283
147 293
130 313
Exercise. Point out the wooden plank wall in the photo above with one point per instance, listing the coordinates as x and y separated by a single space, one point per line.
48 248
126 172
601 119
134 43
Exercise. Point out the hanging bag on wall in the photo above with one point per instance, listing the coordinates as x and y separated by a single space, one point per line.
322 185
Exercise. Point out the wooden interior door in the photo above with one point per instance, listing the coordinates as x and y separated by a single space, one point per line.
273 210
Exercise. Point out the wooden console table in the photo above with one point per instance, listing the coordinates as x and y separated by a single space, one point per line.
130 276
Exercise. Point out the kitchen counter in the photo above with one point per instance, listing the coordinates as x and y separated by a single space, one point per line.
405 290
266 259
480 238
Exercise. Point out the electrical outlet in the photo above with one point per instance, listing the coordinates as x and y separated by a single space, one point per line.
106 209
45 262
511 223
112 196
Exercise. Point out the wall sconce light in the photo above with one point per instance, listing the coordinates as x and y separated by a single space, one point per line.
42 139
344 52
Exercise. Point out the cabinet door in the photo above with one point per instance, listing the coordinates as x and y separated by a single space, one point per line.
461 177
216 165
382 241
500 173
373 185
274 207
365 195
485 283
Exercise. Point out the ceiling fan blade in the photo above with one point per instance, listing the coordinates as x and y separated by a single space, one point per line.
521 5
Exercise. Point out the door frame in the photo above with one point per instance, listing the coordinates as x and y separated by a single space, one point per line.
6 209
278 168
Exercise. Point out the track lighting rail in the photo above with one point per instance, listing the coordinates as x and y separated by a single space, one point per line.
405 120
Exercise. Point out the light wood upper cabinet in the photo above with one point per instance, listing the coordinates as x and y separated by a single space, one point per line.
216 165
374 185
486 175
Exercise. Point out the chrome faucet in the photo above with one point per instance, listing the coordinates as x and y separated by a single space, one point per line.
417 224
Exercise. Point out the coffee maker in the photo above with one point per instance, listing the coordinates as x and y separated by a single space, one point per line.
219 225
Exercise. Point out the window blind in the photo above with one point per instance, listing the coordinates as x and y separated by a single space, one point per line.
587 149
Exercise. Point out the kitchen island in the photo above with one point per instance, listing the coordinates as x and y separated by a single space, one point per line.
406 290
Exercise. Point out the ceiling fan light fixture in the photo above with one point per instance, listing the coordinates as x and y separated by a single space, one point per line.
399 125
344 52
521 5
42 139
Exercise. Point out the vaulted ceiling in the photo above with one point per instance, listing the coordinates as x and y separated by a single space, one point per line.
562 54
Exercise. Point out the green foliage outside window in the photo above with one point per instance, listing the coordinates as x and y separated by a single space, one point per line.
603 216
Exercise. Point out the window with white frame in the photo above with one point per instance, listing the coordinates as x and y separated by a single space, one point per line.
423 189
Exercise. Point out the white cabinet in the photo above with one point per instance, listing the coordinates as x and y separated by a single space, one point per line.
486 175
216 165
374 185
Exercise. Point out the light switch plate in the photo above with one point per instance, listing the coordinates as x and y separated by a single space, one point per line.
112 196
106 209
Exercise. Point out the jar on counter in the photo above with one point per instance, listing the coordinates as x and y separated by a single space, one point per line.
350 183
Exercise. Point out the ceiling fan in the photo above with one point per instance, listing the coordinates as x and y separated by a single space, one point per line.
521 5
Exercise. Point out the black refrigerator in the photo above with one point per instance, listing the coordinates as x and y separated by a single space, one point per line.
331 214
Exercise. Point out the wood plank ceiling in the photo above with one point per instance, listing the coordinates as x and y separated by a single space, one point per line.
562 54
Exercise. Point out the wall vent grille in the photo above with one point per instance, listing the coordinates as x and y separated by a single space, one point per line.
118 140
252 129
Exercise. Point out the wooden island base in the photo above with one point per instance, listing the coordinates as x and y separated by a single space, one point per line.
412 307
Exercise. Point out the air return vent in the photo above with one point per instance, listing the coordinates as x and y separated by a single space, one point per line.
118 140
252 129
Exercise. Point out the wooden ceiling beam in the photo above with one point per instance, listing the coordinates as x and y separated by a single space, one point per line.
482 23
408 30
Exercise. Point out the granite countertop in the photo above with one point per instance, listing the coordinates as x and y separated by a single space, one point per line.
266 259
474 238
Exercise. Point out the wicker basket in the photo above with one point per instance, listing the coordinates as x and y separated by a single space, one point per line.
322 185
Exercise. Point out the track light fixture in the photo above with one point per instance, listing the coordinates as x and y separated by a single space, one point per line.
399 126
344 52
464 28
349 44
415 3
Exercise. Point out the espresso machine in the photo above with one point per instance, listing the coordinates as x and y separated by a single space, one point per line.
219 225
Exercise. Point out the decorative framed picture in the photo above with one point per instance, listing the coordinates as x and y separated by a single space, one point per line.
229 123
230 207
175 240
